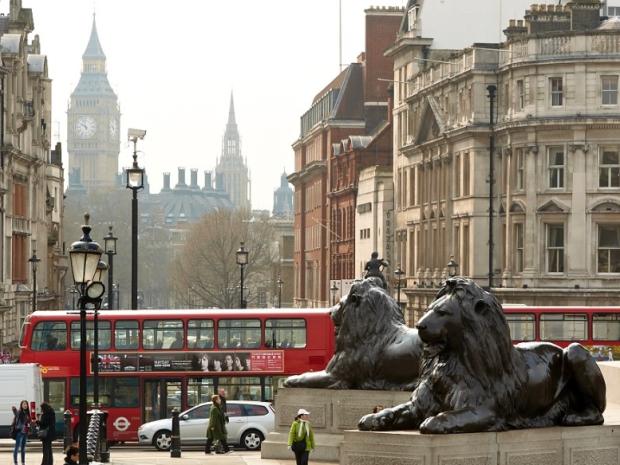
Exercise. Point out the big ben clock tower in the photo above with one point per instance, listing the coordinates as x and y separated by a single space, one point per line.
93 120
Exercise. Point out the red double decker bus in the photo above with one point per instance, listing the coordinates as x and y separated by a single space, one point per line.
151 361
597 328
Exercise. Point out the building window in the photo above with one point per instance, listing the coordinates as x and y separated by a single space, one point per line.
608 260
520 95
555 248
520 170
466 174
557 91
609 168
519 250
613 11
556 167
609 90
412 186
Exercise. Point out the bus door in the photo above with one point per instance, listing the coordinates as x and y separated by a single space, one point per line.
160 397
54 392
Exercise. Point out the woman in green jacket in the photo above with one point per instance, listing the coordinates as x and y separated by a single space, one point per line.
301 437
216 431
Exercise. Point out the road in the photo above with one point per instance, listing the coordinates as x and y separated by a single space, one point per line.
136 455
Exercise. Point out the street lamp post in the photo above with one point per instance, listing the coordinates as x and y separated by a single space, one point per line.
34 262
135 182
100 275
84 256
452 267
110 250
242 261
399 273
279 282
333 290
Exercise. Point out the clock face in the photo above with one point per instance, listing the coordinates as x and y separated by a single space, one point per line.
113 127
85 127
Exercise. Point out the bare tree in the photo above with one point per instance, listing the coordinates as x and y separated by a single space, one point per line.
205 270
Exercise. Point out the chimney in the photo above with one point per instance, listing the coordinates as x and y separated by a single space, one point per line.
219 181
208 182
166 182
181 182
194 177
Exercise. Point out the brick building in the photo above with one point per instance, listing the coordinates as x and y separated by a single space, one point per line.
344 130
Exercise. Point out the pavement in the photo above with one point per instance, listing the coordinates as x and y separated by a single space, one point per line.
133 455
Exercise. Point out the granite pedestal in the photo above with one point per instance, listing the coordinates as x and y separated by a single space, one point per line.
332 412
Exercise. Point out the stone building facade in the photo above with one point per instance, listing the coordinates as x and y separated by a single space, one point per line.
31 181
374 218
557 158
345 117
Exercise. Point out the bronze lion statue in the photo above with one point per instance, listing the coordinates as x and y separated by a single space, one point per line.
473 379
375 349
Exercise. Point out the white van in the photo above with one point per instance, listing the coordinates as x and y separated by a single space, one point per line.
18 381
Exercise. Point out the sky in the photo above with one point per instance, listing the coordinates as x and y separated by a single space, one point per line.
173 65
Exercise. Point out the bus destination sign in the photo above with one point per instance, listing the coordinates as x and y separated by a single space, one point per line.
164 362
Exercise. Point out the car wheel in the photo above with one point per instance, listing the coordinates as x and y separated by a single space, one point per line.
162 440
252 439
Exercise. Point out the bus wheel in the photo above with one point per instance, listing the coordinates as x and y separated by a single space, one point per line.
252 439
162 440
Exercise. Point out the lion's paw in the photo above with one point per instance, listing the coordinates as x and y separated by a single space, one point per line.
376 421
434 425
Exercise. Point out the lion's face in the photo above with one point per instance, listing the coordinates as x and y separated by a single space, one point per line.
442 322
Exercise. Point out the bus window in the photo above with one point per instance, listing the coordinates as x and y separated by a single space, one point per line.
200 334
199 390
162 334
285 333
606 326
105 335
521 326
113 392
241 388
563 327
238 334
126 335
49 335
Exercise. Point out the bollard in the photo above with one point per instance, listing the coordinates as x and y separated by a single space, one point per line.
175 445
68 439
92 438
104 449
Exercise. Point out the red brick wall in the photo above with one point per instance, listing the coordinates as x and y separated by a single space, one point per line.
381 32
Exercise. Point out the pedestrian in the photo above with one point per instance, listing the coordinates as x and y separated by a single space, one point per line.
216 430
73 455
20 428
47 432
301 437
222 394
377 408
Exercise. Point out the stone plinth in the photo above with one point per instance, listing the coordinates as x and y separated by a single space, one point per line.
332 412
589 445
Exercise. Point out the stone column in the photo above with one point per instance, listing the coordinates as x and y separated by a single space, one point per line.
530 247
507 274
577 246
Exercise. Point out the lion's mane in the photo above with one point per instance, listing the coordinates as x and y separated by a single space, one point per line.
482 354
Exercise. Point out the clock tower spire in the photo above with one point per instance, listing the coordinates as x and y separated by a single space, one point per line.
93 122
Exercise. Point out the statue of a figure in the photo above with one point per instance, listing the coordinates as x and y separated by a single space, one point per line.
374 268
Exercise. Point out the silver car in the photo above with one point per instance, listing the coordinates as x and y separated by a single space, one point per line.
249 424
